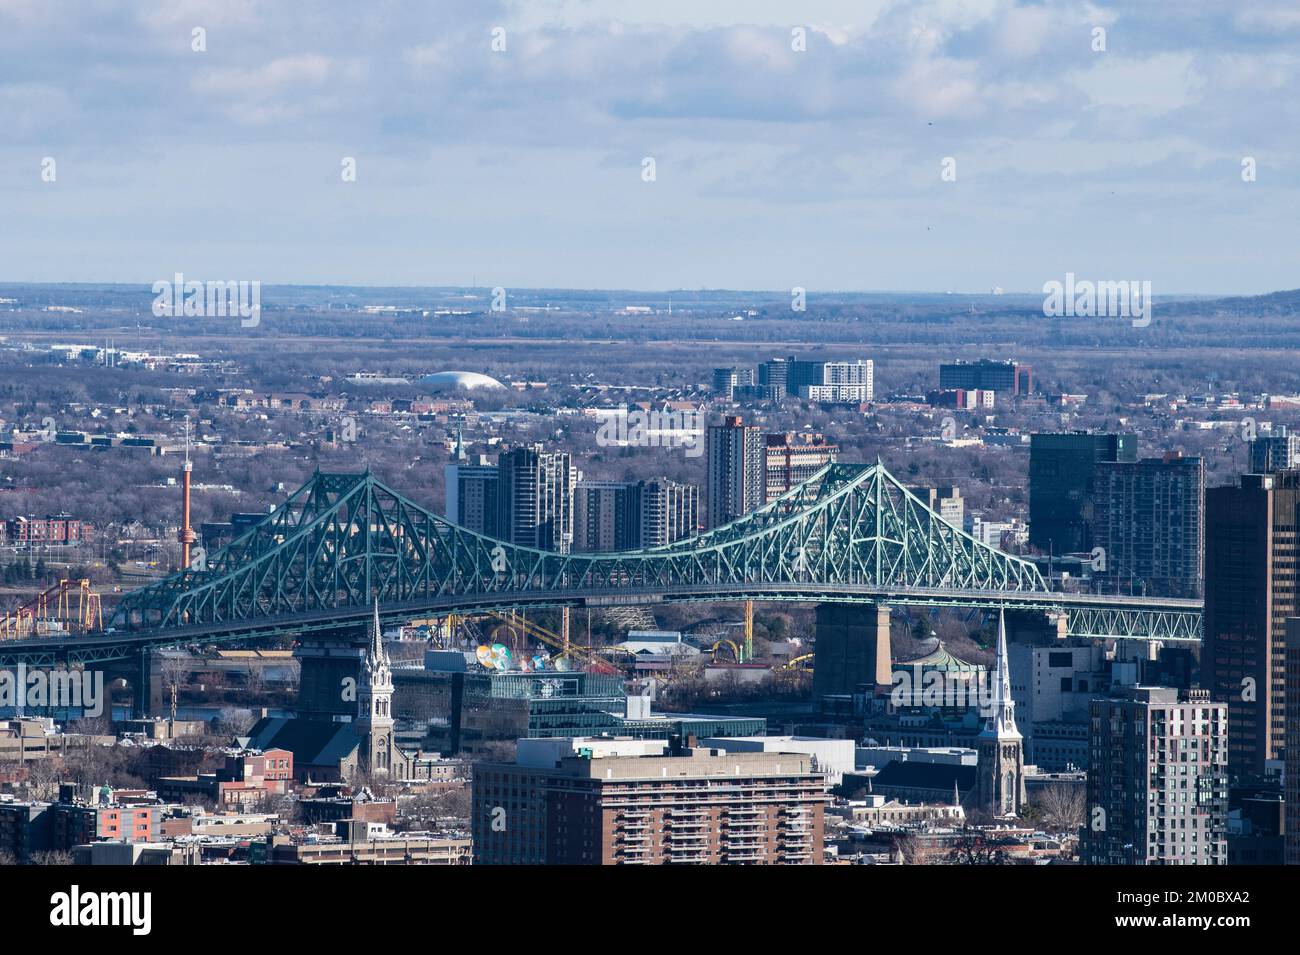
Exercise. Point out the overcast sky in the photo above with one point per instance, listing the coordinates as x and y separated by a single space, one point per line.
773 167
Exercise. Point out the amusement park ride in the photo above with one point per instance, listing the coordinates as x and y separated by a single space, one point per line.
69 608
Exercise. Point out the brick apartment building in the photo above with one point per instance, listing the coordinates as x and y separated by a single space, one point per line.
243 782
1157 779
50 529
611 801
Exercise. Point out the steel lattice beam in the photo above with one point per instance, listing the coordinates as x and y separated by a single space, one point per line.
850 533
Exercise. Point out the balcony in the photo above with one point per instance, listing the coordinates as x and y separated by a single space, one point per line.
683 856
685 838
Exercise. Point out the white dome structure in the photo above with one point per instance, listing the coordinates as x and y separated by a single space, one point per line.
469 380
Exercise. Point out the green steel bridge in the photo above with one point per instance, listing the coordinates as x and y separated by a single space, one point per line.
850 534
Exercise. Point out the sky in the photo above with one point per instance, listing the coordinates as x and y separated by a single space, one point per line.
932 145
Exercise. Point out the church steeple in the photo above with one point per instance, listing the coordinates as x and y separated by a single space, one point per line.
1000 772
375 702
1001 722
375 654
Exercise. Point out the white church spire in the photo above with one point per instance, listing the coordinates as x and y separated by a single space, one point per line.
375 651
1001 723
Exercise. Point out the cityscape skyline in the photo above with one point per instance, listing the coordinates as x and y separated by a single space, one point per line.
585 433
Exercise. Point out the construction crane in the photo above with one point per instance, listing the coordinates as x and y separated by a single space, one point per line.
69 607
794 662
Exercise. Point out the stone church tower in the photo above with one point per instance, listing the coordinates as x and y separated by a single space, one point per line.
1000 772
377 755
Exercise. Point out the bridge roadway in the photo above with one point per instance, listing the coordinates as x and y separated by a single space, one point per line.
1087 615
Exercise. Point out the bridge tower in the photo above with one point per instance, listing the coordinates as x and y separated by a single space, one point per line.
852 648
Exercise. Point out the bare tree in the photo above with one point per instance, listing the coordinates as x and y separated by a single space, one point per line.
1063 807
976 850
51 857
43 776
254 679
175 670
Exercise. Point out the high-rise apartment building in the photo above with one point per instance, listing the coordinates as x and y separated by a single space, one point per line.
1157 779
1251 552
947 502
836 381
1291 800
1062 476
1149 520
612 801
774 376
535 497
669 511
831 381
727 380
472 496
605 516
628 515
793 459
736 470
1007 377
1275 452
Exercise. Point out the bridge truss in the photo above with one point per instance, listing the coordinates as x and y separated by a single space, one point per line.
852 533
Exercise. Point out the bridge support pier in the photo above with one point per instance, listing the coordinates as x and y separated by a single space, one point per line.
331 668
142 690
1034 627
852 648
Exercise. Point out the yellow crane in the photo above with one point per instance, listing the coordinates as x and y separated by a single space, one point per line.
793 663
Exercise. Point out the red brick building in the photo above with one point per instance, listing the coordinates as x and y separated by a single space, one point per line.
603 801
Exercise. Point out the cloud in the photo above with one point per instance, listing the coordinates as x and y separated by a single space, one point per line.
1156 84
289 72
744 127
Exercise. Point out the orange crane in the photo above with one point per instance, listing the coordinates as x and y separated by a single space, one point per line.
68 607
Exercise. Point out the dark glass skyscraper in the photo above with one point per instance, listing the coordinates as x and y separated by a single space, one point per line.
1062 482
1251 554
1007 377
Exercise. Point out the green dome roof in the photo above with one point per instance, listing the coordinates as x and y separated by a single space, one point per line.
940 659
